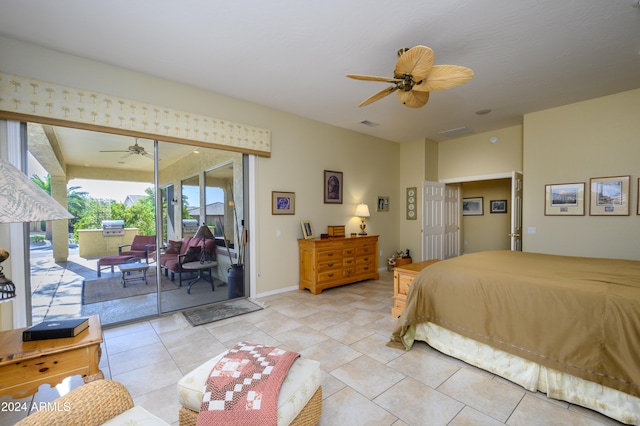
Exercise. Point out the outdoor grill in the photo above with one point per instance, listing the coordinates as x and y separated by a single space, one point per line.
113 228
189 226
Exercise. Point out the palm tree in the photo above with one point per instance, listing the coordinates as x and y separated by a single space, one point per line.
76 201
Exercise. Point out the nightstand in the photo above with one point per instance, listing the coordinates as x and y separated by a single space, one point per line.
402 278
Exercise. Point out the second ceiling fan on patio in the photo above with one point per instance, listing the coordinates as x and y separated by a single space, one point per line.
134 149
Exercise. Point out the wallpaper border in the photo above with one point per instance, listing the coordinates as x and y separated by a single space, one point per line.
51 103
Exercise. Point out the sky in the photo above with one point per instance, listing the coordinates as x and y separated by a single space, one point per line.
119 190
110 190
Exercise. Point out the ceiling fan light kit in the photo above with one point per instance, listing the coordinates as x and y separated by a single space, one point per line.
415 76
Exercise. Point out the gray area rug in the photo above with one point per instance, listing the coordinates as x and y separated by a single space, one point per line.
219 311
103 289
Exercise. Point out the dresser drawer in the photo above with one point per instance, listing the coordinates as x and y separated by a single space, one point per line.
349 251
364 268
328 255
348 261
327 276
366 250
404 282
369 259
330 264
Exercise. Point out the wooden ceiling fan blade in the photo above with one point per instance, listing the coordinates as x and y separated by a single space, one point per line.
444 77
413 99
377 96
119 150
373 78
416 61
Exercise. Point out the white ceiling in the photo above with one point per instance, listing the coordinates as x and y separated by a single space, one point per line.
293 55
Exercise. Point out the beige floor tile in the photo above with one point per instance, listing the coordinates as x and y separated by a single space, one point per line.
375 346
301 338
162 402
137 339
470 417
424 367
186 336
330 385
133 359
169 323
188 355
236 330
276 323
348 407
150 378
347 332
367 376
331 354
485 395
417 404
534 411
324 319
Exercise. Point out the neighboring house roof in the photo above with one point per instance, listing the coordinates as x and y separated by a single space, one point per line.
131 199
213 209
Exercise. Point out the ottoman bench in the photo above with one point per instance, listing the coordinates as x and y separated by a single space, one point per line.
299 400
113 261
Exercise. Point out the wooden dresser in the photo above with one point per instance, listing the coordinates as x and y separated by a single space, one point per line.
331 262
402 278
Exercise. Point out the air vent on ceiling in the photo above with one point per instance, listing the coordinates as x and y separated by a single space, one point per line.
369 123
451 133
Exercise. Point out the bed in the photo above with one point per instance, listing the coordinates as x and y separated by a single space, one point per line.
566 326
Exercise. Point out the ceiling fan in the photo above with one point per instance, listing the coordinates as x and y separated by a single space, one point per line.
415 76
134 149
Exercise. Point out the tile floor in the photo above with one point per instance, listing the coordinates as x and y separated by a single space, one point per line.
346 329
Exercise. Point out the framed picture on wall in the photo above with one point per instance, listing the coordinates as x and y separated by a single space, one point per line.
383 204
638 198
564 199
498 206
332 187
610 196
472 206
283 202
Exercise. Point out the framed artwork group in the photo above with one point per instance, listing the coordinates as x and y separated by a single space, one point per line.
608 196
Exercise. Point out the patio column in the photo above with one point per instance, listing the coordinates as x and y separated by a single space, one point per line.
60 228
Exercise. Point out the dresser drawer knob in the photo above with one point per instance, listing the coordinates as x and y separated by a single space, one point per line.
330 275
330 265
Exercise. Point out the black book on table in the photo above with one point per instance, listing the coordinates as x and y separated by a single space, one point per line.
55 329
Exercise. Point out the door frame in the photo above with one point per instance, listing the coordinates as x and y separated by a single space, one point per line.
510 175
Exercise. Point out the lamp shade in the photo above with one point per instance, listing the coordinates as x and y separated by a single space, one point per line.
204 233
362 210
23 201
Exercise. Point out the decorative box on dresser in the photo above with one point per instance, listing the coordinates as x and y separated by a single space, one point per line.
331 262
402 278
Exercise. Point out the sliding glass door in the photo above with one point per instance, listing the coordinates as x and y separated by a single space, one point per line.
156 194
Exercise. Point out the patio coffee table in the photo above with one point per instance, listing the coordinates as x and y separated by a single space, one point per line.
127 268
200 267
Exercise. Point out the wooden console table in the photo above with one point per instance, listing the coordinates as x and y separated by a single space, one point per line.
402 278
24 366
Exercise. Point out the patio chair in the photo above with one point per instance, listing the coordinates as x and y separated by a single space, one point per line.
140 247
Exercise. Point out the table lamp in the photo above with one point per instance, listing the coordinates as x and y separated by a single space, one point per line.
362 211
22 201
203 233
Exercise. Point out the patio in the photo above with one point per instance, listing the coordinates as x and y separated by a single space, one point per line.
57 291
